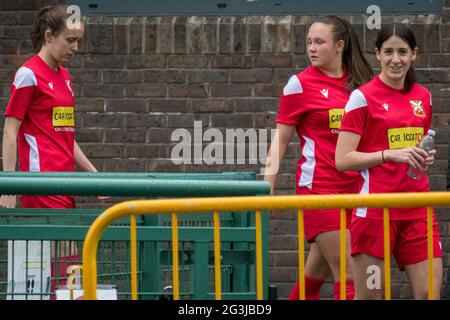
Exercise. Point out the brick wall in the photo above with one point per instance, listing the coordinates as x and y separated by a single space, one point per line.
139 78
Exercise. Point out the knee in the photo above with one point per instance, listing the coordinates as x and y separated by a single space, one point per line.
319 272
369 295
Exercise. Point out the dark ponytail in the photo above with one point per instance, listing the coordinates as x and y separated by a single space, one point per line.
53 17
359 70
406 34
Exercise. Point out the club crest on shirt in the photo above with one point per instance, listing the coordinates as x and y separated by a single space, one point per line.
70 88
417 108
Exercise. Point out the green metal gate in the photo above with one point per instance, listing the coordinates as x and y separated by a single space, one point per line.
66 230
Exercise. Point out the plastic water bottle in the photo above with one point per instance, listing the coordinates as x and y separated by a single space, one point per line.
426 144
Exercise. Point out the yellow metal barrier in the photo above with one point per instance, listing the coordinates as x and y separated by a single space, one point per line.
218 277
343 254
387 255
182 206
176 274
430 253
301 255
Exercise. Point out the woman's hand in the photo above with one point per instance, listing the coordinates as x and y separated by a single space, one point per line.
8 201
414 156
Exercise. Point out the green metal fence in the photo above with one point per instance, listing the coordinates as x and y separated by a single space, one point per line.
66 229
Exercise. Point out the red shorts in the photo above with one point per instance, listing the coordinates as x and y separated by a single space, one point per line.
318 221
408 239
54 202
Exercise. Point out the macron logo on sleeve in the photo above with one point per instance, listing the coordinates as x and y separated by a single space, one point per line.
24 78
293 86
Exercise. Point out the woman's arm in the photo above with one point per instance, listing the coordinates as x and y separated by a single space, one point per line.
84 164
81 160
347 158
275 157
9 155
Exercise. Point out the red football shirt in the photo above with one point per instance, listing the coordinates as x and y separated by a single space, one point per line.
385 118
314 103
42 99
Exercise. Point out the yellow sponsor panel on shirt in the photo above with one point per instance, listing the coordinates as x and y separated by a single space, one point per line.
335 118
63 117
404 137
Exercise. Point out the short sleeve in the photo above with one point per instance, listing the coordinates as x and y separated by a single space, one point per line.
22 91
291 106
355 115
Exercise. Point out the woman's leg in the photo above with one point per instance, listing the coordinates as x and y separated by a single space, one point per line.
329 245
316 272
368 275
316 265
412 253
418 276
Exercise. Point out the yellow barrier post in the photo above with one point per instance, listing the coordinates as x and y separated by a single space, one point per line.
343 254
176 278
387 254
259 275
301 255
430 253
218 277
133 250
